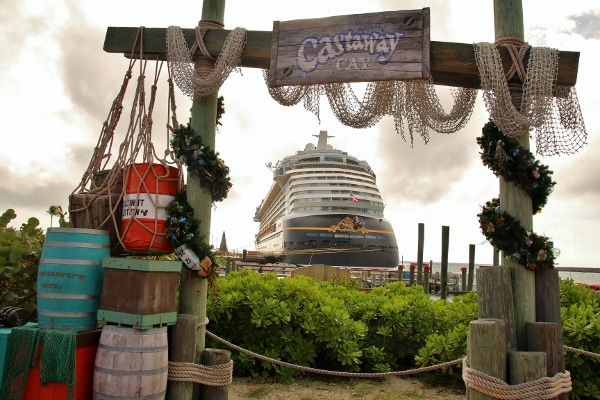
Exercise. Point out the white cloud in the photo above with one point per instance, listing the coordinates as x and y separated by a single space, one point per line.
57 85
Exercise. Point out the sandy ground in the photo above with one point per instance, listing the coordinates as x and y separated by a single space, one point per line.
307 389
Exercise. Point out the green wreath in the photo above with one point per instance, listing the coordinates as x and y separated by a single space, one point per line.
506 158
515 164
204 164
506 233
201 161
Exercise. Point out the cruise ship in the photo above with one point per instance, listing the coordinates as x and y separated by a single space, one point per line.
324 207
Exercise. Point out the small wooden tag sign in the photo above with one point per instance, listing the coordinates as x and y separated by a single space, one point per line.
391 45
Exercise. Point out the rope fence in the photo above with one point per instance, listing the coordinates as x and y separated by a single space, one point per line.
543 388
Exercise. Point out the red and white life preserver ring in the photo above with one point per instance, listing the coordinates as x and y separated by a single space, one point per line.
149 188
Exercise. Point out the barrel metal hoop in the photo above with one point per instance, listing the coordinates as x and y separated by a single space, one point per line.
69 261
65 314
85 245
120 372
78 230
120 349
67 296
157 396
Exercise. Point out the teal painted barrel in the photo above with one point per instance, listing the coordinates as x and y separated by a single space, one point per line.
70 278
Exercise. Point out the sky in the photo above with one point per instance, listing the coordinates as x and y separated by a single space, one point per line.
57 86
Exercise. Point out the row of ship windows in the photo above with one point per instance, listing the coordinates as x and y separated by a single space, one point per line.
336 244
340 209
327 159
334 170
344 235
331 199
334 176
339 181
353 168
311 187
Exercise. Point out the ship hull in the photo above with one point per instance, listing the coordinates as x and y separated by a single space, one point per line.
335 239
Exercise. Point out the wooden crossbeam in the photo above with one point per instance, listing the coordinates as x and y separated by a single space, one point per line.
452 64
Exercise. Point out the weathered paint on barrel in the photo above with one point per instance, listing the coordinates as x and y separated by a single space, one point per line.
70 278
131 363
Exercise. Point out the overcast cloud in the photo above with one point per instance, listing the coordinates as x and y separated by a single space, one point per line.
57 86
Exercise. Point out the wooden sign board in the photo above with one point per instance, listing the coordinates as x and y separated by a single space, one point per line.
380 46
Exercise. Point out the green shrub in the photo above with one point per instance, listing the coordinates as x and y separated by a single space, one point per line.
449 342
319 325
19 262
580 313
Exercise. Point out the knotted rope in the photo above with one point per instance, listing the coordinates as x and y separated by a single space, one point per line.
543 388
208 74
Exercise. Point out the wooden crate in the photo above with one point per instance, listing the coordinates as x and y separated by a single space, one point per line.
139 293
94 209
94 212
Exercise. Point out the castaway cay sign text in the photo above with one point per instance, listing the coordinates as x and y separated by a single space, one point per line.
352 48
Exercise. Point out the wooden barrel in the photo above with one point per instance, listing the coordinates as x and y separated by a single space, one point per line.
149 188
70 278
131 364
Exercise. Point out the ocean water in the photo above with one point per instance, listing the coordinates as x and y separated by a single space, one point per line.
577 277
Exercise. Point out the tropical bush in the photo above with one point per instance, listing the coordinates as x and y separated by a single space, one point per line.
321 325
20 251
339 328
580 313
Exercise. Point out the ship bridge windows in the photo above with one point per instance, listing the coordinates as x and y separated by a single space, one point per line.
333 159
310 160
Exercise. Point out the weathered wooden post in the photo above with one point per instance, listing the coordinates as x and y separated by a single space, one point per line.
471 266
508 22
184 331
486 351
426 279
547 306
495 300
444 266
228 266
420 245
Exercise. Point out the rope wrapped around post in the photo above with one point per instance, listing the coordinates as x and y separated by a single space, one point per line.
543 388
216 375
